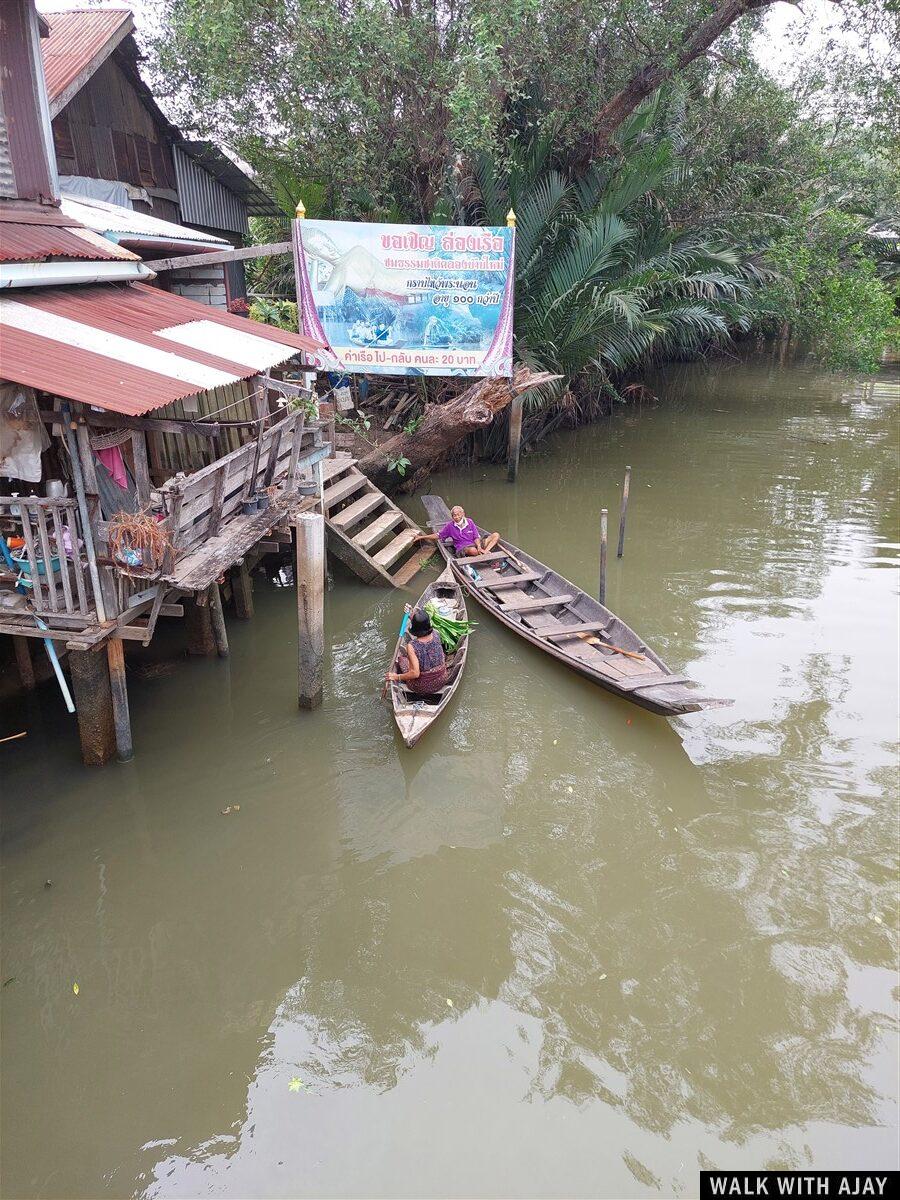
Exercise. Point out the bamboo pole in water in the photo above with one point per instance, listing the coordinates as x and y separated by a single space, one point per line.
625 489
515 437
604 518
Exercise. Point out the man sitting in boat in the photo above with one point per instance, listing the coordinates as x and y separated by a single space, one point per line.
423 667
463 533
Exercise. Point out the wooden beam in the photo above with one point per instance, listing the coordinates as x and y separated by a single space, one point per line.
219 256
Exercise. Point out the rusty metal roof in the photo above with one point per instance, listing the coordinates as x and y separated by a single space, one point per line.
131 348
76 39
32 243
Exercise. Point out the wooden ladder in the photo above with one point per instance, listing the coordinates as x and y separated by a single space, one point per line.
366 530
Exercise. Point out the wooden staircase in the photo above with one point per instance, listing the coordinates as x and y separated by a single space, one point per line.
366 531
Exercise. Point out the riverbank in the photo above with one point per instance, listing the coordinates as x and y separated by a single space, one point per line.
562 922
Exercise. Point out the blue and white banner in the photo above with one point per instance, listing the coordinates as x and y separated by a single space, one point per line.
407 299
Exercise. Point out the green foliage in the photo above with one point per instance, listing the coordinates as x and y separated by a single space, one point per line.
412 425
381 110
604 279
281 313
829 292
399 465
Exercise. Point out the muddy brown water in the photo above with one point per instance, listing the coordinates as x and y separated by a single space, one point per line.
564 947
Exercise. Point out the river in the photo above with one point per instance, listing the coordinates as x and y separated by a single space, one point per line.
564 947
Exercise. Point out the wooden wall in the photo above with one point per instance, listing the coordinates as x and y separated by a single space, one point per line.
105 132
173 452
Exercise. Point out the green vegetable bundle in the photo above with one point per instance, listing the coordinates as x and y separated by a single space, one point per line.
449 631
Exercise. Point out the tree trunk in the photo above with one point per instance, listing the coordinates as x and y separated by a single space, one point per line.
687 46
443 426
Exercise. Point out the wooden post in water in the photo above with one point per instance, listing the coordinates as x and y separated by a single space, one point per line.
242 589
24 663
217 620
309 571
515 438
604 516
625 487
115 657
93 704
198 622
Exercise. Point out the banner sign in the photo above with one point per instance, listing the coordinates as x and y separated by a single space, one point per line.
407 299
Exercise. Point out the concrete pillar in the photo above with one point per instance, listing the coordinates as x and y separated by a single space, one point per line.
217 620
242 589
309 550
93 704
115 658
201 639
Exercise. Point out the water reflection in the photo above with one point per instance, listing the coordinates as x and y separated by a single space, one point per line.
566 947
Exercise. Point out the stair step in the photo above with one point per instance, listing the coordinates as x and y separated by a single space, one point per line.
337 465
412 566
379 526
533 603
395 548
358 509
336 492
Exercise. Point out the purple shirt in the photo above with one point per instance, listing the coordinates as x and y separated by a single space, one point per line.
467 536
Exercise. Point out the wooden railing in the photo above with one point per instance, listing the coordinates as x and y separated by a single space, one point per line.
53 564
197 505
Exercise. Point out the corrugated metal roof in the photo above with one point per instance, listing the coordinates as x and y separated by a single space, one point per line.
126 224
32 243
76 38
204 199
130 348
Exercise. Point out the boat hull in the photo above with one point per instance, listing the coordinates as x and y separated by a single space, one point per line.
413 716
596 653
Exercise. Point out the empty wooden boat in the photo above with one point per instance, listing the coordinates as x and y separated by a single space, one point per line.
416 714
565 622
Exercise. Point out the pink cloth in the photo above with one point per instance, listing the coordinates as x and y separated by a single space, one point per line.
114 462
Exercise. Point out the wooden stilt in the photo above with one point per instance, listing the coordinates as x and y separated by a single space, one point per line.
309 529
94 706
24 663
242 590
217 620
115 657
604 518
625 489
201 640
515 437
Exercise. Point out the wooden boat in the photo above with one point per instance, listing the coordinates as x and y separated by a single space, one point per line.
565 622
416 714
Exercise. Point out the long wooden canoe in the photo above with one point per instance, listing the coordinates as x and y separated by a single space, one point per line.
416 714
565 622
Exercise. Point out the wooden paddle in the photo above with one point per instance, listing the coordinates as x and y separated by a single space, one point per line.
595 641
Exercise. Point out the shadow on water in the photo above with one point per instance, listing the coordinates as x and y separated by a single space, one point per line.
562 946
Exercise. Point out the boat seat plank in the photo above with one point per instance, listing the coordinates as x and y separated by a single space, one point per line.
636 683
491 556
559 630
528 603
509 581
